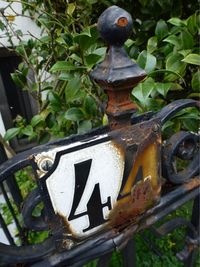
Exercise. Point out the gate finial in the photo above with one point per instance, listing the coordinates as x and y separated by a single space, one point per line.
117 74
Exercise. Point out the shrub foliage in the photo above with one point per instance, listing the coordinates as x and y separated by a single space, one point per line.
55 67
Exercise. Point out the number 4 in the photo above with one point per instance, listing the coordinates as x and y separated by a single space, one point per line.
94 205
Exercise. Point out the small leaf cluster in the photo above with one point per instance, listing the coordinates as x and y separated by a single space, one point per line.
54 70
171 60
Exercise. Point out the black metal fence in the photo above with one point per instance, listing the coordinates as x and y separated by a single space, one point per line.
151 186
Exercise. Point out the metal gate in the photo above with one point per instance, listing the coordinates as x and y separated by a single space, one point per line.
94 191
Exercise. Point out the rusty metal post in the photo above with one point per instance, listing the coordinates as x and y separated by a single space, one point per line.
117 74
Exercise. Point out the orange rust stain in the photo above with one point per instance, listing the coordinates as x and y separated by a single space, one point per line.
126 212
144 194
120 149
122 22
195 182
148 159
65 224
10 18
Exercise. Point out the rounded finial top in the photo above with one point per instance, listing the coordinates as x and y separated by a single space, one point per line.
115 25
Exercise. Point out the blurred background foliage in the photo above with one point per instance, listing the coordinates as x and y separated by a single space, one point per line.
54 68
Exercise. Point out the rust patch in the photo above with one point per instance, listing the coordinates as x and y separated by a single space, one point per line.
10 18
122 22
64 224
195 182
140 198
63 233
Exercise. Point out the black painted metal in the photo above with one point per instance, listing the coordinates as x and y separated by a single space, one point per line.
129 256
188 254
117 68
180 188
6 231
10 181
31 222
104 260
183 145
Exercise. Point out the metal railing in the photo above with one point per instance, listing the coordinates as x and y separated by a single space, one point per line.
96 190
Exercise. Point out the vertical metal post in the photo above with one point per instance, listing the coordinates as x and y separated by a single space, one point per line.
129 254
10 181
193 239
117 74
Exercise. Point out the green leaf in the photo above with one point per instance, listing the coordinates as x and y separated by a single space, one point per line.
163 88
19 79
84 126
100 51
74 114
2 26
185 52
60 40
196 81
192 23
144 2
192 59
146 61
76 58
87 39
173 39
155 72
152 44
174 63
105 120
72 88
186 40
71 8
194 95
85 42
161 29
11 133
143 90
55 101
176 87
44 138
92 59
66 76
28 130
85 32
64 66
191 124
177 22
129 43
167 124
36 120
90 106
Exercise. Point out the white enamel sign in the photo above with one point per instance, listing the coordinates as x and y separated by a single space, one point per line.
85 184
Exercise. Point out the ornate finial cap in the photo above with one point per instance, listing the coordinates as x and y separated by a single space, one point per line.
117 74
115 25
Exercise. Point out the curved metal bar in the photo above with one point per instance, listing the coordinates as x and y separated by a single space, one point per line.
24 159
31 253
45 254
111 240
170 110
171 225
32 222
182 145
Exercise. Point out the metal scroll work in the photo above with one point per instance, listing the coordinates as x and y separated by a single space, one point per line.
95 190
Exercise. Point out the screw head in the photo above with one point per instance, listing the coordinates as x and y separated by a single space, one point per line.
46 165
